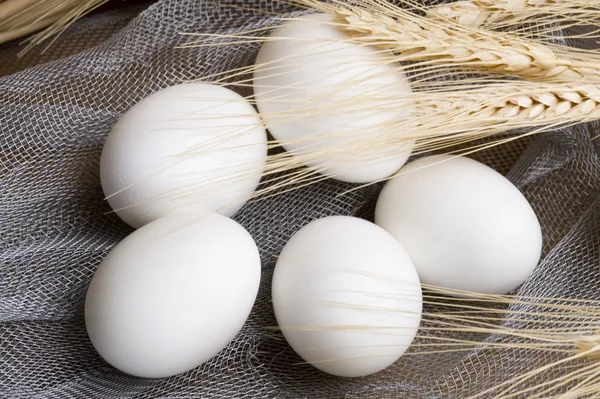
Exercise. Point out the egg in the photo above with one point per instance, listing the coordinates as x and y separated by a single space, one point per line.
322 97
346 296
172 294
464 225
192 147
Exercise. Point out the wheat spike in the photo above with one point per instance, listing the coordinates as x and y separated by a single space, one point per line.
546 21
447 118
416 39
478 13
446 113
442 119
551 103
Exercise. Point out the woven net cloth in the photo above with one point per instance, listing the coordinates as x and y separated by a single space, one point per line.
55 230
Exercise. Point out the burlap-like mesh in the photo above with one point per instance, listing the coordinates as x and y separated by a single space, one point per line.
55 230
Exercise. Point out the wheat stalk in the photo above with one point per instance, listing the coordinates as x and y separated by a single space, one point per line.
548 104
456 115
478 13
543 20
417 39
10 8
22 17
446 114
442 120
6 36
589 344
566 327
563 328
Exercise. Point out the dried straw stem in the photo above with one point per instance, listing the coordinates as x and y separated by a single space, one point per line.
564 328
19 15
446 113
560 330
590 345
455 114
9 8
419 39
442 120
22 17
13 34
80 9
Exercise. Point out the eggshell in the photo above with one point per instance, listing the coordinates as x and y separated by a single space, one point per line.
192 147
323 97
464 225
172 294
346 296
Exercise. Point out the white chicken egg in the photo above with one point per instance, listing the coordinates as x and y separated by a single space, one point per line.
192 147
464 225
172 294
323 97
346 296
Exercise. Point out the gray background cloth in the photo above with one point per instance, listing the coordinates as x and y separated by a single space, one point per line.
54 231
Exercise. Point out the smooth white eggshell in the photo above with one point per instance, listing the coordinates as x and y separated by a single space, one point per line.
464 225
192 147
346 296
172 294
317 91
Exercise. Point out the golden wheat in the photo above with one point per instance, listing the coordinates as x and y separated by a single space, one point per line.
22 17
441 120
547 104
543 20
416 39
478 13
560 332
448 116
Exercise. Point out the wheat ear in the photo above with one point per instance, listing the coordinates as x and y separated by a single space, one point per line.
542 20
550 104
478 13
443 120
417 39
